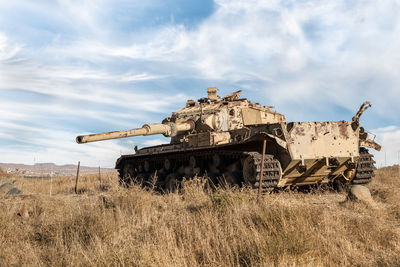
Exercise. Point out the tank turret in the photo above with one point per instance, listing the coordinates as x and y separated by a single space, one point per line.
211 114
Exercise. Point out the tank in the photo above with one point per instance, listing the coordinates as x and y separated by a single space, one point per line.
234 141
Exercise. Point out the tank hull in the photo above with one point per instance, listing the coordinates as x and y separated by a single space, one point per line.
297 153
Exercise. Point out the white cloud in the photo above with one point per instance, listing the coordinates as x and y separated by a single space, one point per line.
7 51
60 81
303 55
327 45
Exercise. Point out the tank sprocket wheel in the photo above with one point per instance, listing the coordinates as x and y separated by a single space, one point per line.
365 168
272 171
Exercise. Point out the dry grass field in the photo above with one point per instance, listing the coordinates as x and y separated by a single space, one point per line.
110 226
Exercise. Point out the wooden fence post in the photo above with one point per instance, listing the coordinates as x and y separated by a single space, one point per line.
77 177
100 178
262 169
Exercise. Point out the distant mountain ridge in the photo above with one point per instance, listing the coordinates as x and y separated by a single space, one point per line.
48 168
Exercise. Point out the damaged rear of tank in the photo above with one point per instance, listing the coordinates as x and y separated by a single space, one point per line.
328 152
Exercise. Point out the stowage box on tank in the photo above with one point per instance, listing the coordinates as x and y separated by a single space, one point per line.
223 139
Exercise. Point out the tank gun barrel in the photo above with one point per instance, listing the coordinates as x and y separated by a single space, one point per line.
167 129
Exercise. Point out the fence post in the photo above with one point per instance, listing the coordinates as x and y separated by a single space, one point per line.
100 178
262 169
77 177
398 161
51 183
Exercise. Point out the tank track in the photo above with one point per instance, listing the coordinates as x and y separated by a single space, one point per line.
365 168
271 176
272 172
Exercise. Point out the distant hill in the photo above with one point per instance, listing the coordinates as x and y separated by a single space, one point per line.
45 169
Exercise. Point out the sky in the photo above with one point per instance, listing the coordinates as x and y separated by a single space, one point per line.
76 67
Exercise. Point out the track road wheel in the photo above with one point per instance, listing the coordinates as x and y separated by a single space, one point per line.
127 174
217 160
167 164
141 179
212 180
172 183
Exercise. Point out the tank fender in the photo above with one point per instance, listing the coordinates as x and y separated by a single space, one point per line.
278 140
371 144
260 135
368 140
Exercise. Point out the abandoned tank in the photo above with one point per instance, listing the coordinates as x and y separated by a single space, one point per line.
232 140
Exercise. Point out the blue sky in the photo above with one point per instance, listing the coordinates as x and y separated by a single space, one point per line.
75 67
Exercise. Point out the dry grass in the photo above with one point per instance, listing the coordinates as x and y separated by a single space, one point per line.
224 228
3 173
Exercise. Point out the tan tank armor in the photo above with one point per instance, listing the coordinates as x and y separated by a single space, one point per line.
222 138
